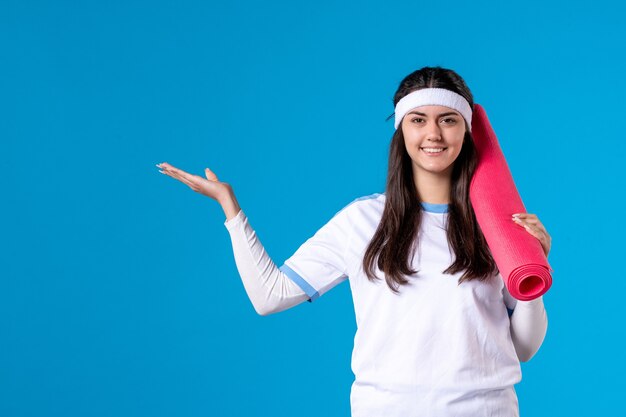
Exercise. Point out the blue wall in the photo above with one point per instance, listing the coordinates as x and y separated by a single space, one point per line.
119 294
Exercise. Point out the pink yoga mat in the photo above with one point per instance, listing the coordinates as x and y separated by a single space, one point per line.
495 199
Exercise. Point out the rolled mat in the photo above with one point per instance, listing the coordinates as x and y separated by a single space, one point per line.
518 254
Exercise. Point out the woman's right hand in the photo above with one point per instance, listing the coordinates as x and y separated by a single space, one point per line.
211 186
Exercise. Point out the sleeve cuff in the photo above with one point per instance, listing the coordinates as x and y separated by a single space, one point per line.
300 282
530 303
235 221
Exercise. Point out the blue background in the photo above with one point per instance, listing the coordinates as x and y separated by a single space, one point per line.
119 294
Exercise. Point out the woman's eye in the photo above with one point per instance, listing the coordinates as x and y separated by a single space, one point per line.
449 120
419 119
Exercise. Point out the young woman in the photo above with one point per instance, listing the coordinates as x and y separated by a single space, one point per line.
438 334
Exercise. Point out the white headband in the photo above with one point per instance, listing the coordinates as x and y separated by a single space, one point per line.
433 97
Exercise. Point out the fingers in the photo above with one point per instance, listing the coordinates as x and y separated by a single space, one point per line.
533 226
530 224
532 218
164 165
210 175
177 177
182 179
168 168
540 235
179 174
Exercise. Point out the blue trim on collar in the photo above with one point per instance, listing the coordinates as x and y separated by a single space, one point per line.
301 282
367 197
435 208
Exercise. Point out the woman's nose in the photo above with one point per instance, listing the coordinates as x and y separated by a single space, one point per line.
433 131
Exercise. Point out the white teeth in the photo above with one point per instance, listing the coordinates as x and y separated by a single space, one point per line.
433 150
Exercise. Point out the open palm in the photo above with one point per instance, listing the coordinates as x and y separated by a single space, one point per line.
209 186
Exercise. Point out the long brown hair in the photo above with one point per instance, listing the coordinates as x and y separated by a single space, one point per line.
396 236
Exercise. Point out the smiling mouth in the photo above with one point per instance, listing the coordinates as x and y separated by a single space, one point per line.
433 150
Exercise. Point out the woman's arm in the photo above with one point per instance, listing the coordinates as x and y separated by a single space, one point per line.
529 324
529 321
269 289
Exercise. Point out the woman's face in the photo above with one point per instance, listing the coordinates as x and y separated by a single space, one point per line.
432 128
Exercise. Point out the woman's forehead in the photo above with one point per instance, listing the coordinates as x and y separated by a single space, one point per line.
433 110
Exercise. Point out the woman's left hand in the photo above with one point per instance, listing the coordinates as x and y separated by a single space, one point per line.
533 226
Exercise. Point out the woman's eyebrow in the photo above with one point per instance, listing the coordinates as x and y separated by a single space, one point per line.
441 115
